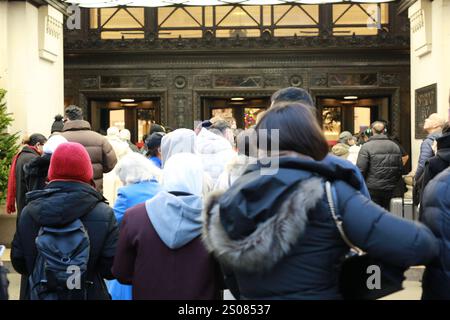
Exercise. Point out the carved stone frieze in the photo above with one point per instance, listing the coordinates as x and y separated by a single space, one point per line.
111 82
202 81
156 82
89 83
238 81
319 80
388 79
151 43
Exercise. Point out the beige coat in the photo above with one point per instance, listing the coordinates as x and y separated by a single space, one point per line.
102 155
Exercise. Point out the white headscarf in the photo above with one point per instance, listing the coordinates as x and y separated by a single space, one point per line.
120 147
177 141
112 132
135 168
53 142
125 134
183 172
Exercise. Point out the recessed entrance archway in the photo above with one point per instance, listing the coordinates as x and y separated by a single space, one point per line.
241 105
377 96
105 108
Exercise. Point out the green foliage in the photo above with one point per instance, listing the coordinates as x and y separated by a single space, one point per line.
8 146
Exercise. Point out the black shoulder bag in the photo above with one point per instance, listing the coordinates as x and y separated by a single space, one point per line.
362 276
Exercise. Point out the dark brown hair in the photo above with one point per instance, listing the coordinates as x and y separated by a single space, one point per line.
298 129
36 138
292 94
73 112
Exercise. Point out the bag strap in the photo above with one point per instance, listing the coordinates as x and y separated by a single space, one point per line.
338 219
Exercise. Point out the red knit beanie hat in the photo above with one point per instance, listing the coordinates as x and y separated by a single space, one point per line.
70 161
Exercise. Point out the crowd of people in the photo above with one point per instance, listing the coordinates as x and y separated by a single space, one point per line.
191 212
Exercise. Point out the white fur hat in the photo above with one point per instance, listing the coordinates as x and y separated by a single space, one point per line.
53 142
125 134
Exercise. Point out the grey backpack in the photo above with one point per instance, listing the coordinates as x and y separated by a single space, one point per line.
61 265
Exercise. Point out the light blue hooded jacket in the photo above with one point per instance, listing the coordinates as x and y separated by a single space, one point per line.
175 212
176 219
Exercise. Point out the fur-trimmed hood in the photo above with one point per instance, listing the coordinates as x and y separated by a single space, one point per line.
272 239
255 223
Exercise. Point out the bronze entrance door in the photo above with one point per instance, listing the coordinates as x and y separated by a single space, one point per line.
240 112
350 113
134 115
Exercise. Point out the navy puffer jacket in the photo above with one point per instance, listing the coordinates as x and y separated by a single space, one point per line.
59 204
426 152
275 236
436 215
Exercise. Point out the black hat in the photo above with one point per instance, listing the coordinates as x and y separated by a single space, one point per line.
156 128
206 124
154 140
58 124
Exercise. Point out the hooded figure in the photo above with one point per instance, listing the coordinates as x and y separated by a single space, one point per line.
36 171
125 135
183 140
340 150
177 141
274 234
111 181
215 151
346 147
70 195
291 248
246 145
139 185
160 251
120 147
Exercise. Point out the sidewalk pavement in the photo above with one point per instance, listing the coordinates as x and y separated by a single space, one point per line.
412 286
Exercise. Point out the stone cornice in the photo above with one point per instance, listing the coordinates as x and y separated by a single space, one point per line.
215 61
404 5
58 5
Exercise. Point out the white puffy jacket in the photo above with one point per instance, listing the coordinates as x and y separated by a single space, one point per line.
216 152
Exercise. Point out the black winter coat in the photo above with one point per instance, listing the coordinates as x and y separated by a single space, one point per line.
36 172
26 156
275 236
439 162
436 215
61 203
380 162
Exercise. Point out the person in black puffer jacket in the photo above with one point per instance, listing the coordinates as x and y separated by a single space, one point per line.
380 162
70 195
36 171
273 231
435 214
